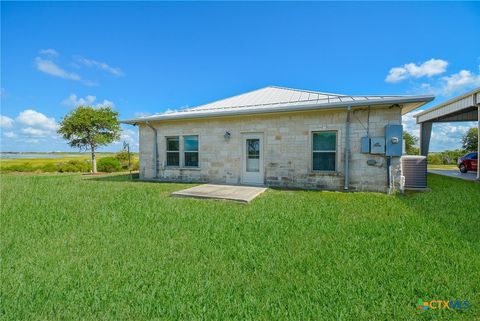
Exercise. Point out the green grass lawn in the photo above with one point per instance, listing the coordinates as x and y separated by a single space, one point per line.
104 248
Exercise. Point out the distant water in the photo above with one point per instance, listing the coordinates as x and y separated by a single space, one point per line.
35 155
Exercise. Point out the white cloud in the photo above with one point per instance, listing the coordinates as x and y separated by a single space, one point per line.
410 124
127 134
33 118
30 131
46 64
49 67
130 136
89 100
429 68
445 136
100 65
6 122
49 52
141 114
459 81
9 134
448 86
32 127
74 101
448 136
105 103
396 74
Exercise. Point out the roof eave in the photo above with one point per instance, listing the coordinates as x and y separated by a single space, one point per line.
409 104
450 101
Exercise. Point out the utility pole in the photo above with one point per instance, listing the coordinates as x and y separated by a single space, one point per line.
126 147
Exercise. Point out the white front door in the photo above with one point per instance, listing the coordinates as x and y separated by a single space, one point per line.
252 163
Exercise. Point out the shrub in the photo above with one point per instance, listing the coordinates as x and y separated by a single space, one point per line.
448 157
74 166
27 167
49 168
122 156
64 167
135 165
109 165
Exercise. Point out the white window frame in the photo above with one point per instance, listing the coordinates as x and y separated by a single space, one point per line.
186 151
312 151
173 151
181 152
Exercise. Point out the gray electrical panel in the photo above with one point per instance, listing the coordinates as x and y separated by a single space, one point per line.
377 145
393 140
365 144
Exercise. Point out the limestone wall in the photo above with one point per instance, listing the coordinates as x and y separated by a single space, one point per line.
287 149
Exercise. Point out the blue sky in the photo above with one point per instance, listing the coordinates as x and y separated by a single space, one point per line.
147 57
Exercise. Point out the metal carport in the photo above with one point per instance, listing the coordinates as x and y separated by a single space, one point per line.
462 108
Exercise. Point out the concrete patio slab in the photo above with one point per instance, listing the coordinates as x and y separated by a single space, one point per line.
222 192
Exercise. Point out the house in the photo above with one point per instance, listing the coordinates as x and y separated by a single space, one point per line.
281 137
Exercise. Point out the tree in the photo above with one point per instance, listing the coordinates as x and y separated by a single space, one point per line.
411 142
470 140
88 128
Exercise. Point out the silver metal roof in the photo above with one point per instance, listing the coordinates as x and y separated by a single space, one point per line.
460 108
279 99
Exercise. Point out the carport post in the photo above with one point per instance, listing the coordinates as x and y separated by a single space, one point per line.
425 133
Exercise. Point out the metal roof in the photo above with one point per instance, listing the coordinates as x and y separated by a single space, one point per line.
466 104
280 99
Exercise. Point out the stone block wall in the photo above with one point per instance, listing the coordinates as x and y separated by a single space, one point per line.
287 149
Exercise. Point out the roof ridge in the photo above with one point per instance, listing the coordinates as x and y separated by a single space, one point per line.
306 91
218 100
332 94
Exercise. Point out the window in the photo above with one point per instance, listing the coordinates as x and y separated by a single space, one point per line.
253 155
190 149
324 150
173 151
187 156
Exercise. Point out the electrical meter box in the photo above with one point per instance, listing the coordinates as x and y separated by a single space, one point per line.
393 140
377 145
365 144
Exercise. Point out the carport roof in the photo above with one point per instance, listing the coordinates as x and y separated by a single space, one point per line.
274 99
460 108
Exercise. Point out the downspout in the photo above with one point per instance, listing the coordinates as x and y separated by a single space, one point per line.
389 183
347 149
155 149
